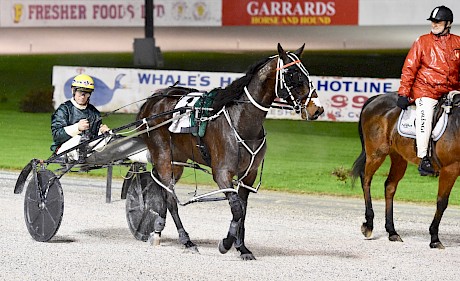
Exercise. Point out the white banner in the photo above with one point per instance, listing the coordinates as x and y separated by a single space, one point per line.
78 13
401 12
341 97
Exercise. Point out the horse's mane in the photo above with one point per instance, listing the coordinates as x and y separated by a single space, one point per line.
234 91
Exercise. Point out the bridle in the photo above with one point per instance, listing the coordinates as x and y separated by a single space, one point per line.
289 77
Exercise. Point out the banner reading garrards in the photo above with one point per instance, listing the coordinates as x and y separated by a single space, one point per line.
290 12
78 13
342 97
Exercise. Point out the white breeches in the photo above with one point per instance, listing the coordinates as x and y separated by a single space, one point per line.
141 157
74 141
424 123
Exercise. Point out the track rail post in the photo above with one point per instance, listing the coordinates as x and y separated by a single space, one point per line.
108 188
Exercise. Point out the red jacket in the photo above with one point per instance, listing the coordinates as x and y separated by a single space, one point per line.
432 67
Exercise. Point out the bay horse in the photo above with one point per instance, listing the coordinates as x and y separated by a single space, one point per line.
380 138
235 136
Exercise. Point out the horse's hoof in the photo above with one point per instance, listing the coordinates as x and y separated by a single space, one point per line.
191 247
192 250
222 249
395 238
437 245
247 257
366 231
154 239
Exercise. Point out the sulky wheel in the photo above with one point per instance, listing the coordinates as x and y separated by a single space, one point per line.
145 201
43 213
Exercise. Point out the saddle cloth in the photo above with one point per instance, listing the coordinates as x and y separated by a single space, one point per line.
406 124
183 124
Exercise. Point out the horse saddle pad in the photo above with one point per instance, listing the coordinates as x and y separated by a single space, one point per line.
406 124
184 124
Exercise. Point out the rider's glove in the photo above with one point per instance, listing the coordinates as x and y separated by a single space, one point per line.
403 102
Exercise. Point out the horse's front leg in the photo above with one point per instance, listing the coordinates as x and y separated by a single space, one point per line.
236 232
397 170
447 178
245 253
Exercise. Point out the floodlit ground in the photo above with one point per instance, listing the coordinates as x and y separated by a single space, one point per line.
293 237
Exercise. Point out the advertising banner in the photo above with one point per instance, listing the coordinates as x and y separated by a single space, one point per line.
117 87
342 97
73 13
289 12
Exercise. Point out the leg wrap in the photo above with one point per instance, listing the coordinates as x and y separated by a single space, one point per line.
234 228
240 238
159 224
236 207
183 236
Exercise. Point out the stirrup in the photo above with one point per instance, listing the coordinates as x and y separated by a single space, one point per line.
426 172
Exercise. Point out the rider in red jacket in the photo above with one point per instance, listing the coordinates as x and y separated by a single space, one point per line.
431 70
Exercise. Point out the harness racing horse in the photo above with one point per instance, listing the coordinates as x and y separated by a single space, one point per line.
234 139
380 138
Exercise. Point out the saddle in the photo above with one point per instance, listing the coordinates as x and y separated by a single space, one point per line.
195 122
406 124
406 121
183 125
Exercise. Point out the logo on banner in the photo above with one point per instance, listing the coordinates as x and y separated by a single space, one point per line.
200 11
179 10
103 93
17 12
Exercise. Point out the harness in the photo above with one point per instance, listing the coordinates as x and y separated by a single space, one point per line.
287 79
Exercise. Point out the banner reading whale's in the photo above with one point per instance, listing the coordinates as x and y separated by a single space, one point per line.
342 97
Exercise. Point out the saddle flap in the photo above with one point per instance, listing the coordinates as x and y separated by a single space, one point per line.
406 124
184 124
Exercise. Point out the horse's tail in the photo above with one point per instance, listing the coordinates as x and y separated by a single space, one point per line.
360 162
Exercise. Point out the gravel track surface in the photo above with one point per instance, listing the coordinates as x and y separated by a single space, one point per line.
294 237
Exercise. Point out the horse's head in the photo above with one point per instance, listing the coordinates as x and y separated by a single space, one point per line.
294 85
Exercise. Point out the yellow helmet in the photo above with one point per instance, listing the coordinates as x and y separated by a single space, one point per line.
83 82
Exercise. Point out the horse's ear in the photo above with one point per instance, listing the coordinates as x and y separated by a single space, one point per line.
299 51
282 53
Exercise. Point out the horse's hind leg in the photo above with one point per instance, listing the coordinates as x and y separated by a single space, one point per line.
397 169
183 235
165 172
372 164
447 178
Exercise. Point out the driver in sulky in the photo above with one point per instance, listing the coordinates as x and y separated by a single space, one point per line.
76 120
431 70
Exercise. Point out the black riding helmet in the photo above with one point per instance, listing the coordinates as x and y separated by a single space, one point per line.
441 13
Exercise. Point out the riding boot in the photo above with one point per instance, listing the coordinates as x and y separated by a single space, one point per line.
425 168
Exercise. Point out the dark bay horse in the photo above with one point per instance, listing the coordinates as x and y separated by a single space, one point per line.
380 138
235 137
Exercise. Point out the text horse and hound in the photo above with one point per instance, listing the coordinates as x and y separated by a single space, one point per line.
234 144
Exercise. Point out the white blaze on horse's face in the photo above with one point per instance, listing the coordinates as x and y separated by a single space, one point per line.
312 107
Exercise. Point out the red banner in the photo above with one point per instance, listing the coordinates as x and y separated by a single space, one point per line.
289 12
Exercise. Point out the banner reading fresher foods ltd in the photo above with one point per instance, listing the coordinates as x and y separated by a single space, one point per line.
342 97
77 13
